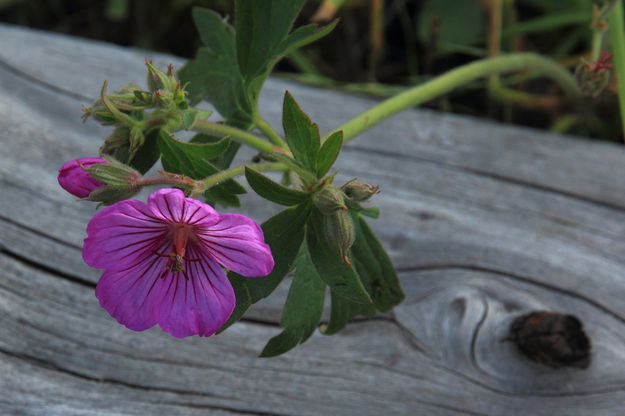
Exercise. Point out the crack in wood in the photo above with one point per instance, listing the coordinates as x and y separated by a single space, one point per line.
412 269
36 81
488 174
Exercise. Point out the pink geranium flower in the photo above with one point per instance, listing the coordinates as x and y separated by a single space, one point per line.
163 262
76 180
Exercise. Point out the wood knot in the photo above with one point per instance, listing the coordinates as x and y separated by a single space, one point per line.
551 338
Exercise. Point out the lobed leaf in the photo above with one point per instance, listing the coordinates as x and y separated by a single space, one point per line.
329 152
176 160
302 310
302 135
273 191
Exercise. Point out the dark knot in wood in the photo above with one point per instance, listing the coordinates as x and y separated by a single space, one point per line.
551 338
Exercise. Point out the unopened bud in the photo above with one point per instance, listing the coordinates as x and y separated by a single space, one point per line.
359 191
158 80
594 76
114 174
74 178
338 231
120 182
118 144
329 200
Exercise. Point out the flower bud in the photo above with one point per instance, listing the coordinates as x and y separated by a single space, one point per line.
359 191
118 144
158 80
329 199
338 231
114 174
594 76
121 182
75 179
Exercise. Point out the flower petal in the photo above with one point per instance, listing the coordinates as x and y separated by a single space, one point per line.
197 301
120 234
171 205
133 295
237 243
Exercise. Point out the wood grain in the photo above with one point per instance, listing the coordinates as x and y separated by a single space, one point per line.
485 222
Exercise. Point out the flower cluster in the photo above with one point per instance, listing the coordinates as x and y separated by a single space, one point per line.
164 260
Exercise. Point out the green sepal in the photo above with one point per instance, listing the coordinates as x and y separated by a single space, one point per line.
342 278
302 309
329 152
284 233
371 212
273 191
302 135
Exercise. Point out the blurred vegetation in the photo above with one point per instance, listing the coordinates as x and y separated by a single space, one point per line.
382 46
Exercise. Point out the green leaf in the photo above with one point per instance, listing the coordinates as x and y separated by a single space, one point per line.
374 267
148 154
302 310
342 278
305 35
176 159
371 212
197 150
329 152
284 233
191 115
302 135
262 27
273 191
214 74
344 310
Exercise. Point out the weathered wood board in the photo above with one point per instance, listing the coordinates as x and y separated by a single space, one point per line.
485 222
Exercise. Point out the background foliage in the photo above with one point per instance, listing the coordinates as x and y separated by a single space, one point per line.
379 47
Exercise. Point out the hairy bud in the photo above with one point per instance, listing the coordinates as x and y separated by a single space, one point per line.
338 231
359 191
329 199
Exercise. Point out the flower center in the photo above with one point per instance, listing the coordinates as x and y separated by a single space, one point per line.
180 235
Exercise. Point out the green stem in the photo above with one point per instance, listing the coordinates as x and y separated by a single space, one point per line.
617 35
268 131
239 136
456 78
240 170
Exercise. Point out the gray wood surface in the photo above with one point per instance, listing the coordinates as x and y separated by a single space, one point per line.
485 222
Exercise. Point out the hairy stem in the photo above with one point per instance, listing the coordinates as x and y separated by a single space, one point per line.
240 170
456 78
268 131
239 136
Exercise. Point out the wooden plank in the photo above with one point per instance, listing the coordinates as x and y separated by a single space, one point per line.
485 222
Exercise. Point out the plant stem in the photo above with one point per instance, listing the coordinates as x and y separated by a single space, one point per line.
239 136
240 170
169 179
617 35
268 131
456 78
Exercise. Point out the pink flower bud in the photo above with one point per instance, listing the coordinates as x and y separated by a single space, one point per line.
76 180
